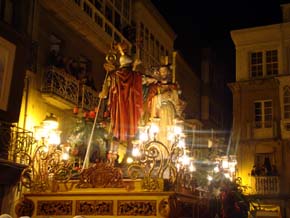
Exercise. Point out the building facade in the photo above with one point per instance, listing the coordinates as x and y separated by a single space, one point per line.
261 114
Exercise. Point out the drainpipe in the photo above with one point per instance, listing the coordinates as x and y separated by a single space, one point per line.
30 31
26 90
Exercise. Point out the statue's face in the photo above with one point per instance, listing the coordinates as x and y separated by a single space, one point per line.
163 71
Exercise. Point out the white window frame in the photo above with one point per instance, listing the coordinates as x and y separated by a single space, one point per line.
263 113
264 63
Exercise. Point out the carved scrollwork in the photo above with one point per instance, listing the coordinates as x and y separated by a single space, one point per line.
92 207
164 208
24 207
45 208
101 175
136 208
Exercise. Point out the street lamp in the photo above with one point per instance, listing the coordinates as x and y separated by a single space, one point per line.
155 158
49 162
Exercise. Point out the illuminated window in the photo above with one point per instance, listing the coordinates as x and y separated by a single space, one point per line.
264 63
286 100
263 114
265 165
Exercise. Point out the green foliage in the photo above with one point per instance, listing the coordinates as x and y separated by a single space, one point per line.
79 137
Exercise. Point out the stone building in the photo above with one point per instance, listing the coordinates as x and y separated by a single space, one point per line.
261 114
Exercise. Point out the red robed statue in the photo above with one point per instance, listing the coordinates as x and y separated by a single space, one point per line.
125 99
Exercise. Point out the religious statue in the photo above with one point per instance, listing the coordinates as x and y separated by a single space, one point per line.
162 101
125 100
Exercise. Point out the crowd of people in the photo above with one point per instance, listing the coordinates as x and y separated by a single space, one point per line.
265 169
76 67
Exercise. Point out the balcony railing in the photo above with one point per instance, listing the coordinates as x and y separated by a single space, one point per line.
265 185
15 141
66 91
57 82
89 98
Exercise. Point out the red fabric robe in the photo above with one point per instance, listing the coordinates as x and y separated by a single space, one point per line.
125 103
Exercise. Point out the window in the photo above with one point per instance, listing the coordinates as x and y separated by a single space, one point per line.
99 20
141 31
88 9
7 11
286 100
265 165
162 50
99 4
256 64
263 114
108 29
109 13
126 9
157 55
271 63
264 63
118 5
146 42
78 2
117 37
152 40
117 22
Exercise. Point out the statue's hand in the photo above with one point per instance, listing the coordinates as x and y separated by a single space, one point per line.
109 67
149 80
102 94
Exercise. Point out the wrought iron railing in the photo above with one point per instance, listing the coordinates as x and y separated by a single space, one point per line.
266 185
89 98
57 81
15 141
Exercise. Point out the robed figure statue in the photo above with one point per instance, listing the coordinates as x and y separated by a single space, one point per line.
123 88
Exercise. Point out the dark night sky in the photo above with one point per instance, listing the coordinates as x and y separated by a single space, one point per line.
208 23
